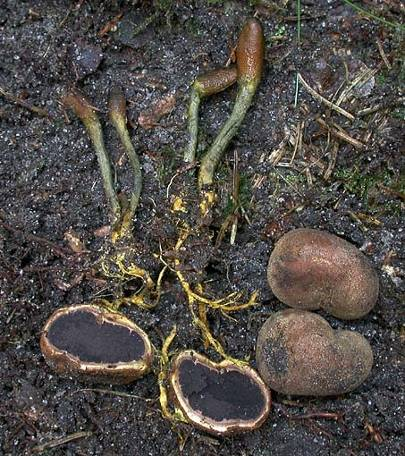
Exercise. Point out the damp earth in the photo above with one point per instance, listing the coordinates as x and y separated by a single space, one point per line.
301 163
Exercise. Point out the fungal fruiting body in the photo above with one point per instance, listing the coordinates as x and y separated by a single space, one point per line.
118 117
205 85
298 353
311 269
87 114
249 60
224 398
122 216
95 344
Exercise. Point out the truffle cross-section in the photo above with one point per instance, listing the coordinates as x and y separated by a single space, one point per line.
95 344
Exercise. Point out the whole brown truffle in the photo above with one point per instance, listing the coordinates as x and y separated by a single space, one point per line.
298 353
312 269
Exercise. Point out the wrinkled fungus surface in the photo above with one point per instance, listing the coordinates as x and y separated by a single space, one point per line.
299 353
312 269
219 394
83 335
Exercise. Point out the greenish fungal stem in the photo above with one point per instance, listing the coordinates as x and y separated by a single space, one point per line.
118 119
190 151
205 85
93 126
213 155
96 135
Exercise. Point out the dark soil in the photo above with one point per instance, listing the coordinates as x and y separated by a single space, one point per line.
52 193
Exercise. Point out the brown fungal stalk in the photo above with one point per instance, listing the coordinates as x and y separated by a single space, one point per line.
219 398
118 117
95 344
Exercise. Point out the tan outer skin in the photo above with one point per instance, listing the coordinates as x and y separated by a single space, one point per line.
250 53
312 269
215 81
119 373
298 353
226 427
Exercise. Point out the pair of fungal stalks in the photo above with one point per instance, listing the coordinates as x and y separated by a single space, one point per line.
247 73
97 343
122 212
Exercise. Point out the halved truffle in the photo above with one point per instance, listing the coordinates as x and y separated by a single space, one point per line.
95 344
219 398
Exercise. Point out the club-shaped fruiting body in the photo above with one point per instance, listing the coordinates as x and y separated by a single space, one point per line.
312 269
95 344
250 54
219 398
215 81
118 117
205 85
89 117
249 60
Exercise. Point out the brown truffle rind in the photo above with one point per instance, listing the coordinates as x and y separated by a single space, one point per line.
65 363
206 423
298 353
311 269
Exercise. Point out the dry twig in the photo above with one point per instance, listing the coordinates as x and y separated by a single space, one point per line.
340 133
61 441
323 100
19 101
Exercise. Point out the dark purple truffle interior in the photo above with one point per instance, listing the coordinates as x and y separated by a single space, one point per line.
220 395
79 334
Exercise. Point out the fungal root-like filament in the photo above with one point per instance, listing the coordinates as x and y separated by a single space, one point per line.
197 300
148 297
164 358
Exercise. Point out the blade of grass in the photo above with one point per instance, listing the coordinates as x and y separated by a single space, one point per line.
297 82
374 16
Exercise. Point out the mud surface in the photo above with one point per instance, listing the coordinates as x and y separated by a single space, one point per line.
346 178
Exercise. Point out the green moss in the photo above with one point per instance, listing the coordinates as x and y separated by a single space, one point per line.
356 182
245 195
365 186
193 27
280 31
295 179
393 208
163 5
166 166
399 114
381 78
